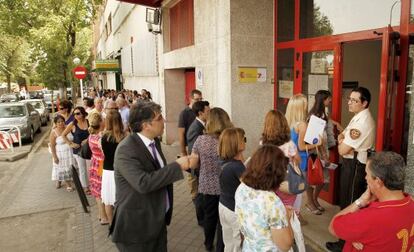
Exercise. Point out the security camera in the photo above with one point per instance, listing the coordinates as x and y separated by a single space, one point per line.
149 27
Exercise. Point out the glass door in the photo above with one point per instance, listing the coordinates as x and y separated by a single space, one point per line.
320 71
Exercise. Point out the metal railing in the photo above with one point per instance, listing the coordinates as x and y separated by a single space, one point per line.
9 138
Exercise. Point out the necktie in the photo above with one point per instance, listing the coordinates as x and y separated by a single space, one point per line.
154 155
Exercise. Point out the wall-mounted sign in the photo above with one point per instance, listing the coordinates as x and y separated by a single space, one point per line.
106 65
199 77
252 74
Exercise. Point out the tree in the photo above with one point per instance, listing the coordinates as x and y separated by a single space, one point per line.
14 57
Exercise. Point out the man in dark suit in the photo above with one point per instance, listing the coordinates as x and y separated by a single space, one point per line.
201 109
144 191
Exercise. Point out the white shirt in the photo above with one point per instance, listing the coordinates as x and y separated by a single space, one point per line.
360 135
201 121
147 143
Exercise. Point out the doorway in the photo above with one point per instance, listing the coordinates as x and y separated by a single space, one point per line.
361 67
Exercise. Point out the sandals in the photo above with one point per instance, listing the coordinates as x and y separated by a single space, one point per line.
313 211
319 207
70 189
104 222
58 185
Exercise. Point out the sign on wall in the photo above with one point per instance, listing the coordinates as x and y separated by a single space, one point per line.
199 77
285 89
252 74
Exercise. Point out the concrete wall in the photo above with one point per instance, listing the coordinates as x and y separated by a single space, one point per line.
362 63
251 46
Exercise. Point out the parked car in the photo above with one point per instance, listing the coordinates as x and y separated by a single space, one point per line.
12 97
48 100
21 115
36 94
41 107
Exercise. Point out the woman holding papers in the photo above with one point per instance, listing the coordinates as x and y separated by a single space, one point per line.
296 115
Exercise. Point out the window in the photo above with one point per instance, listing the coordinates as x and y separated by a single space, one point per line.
327 17
285 20
285 77
182 24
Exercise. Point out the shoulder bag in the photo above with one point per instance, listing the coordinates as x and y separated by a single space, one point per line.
315 171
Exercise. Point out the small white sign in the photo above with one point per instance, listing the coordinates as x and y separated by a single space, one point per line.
285 89
319 66
199 77
261 74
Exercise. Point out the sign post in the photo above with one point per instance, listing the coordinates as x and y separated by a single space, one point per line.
80 74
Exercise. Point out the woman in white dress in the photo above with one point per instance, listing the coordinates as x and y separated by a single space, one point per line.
61 154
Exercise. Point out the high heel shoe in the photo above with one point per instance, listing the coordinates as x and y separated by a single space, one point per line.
313 211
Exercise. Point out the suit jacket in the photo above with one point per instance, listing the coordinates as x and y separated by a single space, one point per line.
139 214
196 129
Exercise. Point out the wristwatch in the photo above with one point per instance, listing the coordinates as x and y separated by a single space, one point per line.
358 203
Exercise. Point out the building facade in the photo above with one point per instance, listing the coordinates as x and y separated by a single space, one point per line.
251 56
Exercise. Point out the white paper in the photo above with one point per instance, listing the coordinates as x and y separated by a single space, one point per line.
285 89
319 66
315 129
317 82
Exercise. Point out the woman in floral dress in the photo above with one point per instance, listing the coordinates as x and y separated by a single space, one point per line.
97 125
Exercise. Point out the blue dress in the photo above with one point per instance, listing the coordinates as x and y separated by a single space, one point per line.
303 155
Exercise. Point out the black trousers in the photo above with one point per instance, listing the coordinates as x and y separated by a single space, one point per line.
211 222
352 183
198 203
157 245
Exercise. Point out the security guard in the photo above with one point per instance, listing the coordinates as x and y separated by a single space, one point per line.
354 143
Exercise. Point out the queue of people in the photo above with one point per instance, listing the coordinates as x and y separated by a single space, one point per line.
251 204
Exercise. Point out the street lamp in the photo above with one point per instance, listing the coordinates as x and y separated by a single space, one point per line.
76 61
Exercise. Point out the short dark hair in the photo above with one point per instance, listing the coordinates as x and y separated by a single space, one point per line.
142 112
266 169
67 105
364 93
199 106
389 167
195 91
57 118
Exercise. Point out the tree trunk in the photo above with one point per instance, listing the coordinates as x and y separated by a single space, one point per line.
8 77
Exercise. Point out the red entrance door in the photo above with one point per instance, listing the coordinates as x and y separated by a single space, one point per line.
189 84
391 110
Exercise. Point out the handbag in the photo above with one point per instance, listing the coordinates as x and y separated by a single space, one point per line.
296 181
315 171
85 151
299 245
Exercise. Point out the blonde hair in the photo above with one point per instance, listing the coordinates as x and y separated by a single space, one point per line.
95 120
217 121
297 110
114 128
230 142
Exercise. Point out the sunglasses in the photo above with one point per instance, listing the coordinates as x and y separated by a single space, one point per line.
245 139
77 113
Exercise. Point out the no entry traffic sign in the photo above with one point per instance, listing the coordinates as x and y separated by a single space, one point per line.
80 72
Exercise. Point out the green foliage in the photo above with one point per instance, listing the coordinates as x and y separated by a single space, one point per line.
42 37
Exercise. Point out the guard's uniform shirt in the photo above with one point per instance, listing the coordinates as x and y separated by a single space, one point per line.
360 135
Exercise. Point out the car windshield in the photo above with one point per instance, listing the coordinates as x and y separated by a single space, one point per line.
11 111
8 96
36 104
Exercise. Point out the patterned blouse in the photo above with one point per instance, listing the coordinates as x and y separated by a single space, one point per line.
209 180
257 211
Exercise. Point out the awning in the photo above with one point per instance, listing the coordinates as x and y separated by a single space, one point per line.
106 66
151 3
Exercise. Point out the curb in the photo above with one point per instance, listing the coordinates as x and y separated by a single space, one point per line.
29 151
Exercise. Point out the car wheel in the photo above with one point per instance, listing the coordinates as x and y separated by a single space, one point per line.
43 121
31 137
40 128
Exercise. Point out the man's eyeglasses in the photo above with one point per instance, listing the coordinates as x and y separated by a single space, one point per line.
352 100
158 118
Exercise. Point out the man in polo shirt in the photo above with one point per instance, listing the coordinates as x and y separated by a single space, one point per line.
382 219
353 145
187 117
